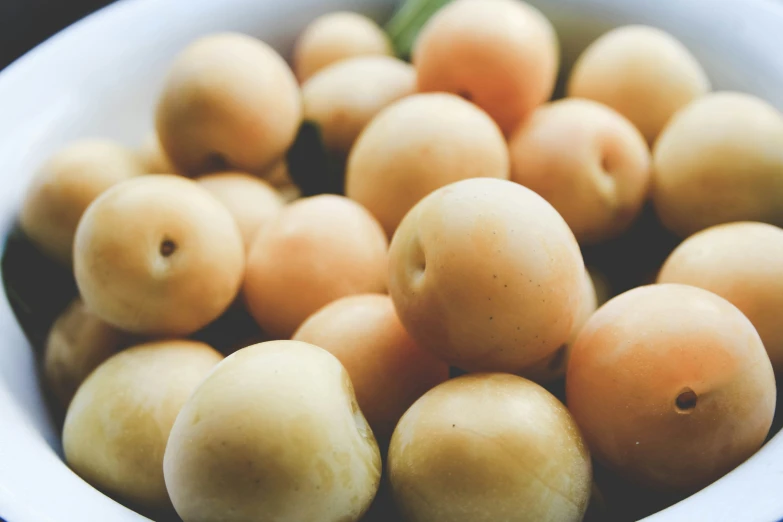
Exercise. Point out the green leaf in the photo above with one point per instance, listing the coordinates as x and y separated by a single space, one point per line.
404 26
313 168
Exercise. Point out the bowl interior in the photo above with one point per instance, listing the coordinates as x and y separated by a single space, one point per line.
101 78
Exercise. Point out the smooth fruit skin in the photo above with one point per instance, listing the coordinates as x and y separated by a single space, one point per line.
158 255
337 36
554 366
719 160
417 145
65 186
588 161
489 448
743 263
229 102
486 275
252 201
153 157
273 434
78 342
388 370
342 98
502 55
118 423
671 386
642 72
316 250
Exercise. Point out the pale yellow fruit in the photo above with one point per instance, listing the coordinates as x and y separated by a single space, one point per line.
153 157
229 102
719 160
274 433
554 366
336 36
388 370
158 255
417 145
118 423
500 54
65 186
671 386
588 161
252 201
316 250
642 72
342 98
489 448
77 344
743 263
486 275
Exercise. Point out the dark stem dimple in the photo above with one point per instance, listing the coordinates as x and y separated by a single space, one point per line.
465 95
167 247
686 401
215 162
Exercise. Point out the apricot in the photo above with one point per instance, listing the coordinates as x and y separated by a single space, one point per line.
743 263
252 201
489 448
342 98
417 145
642 72
554 366
153 157
229 102
274 433
486 275
337 36
158 255
502 55
64 187
316 250
719 160
671 386
388 370
118 423
77 344
588 161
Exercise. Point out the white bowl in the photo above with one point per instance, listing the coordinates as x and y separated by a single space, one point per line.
100 77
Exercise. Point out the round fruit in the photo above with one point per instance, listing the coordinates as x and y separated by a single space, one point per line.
743 263
642 72
554 366
417 145
153 157
486 275
489 448
252 201
344 97
274 433
118 423
158 255
230 101
334 37
315 251
500 54
588 161
719 160
65 186
389 372
77 344
671 386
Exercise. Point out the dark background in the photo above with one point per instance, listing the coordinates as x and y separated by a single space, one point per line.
26 23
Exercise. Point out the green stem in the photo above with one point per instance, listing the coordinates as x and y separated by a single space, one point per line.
404 26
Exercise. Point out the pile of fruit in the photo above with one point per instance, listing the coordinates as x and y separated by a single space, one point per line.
243 349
